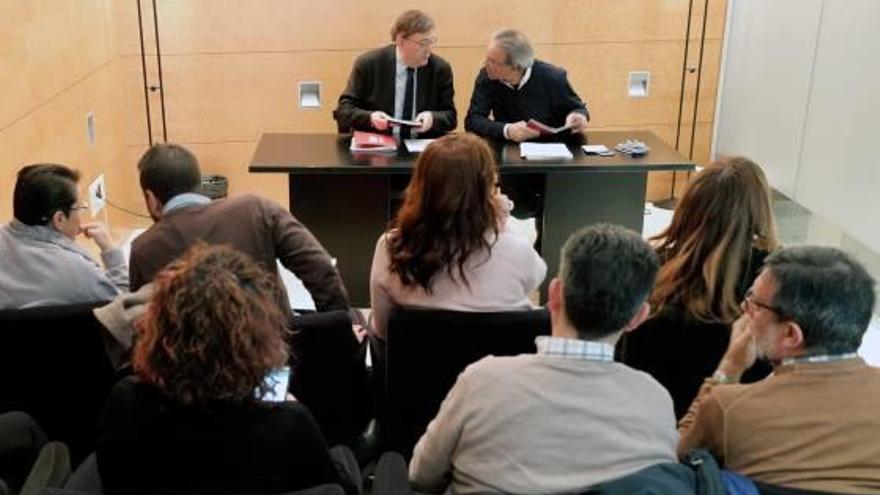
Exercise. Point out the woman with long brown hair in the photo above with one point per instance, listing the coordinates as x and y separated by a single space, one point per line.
449 246
192 419
711 253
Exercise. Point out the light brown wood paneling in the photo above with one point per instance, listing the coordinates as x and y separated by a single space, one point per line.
56 65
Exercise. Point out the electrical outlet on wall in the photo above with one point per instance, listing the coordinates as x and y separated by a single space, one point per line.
97 195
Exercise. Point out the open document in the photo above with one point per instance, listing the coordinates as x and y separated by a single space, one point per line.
544 151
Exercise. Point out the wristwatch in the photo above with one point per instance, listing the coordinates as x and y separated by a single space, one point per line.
722 378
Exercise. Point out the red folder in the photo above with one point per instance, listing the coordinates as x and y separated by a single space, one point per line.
369 141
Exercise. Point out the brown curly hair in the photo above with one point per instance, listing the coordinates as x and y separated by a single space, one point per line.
447 211
212 329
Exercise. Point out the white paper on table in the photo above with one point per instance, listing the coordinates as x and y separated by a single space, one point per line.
544 151
417 145
595 148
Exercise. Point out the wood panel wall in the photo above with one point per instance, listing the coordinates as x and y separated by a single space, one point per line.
56 65
231 70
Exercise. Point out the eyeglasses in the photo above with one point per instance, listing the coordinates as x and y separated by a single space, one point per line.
751 303
425 42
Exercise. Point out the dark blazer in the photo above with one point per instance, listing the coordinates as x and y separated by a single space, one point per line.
546 97
371 88
255 226
148 443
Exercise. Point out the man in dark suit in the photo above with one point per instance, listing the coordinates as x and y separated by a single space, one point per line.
514 87
403 80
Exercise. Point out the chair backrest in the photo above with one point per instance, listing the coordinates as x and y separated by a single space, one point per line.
427 349
329 373
53 365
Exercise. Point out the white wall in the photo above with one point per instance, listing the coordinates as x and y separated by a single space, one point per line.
799 95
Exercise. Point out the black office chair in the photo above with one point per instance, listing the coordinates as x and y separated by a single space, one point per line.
427 349
328 374
53 365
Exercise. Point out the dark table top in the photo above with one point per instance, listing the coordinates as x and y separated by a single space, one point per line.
330 154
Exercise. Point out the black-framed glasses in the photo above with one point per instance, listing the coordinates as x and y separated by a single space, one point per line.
751 302
424 43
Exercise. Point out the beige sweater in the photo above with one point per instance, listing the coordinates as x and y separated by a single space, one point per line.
813 426
543 424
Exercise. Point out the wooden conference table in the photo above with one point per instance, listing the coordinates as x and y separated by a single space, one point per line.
347 199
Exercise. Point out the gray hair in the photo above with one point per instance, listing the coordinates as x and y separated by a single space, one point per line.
516 46
826 292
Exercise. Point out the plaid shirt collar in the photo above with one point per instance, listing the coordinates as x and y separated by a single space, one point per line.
825 358
574 348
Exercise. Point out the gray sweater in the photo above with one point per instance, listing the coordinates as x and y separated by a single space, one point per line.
39 266
544 424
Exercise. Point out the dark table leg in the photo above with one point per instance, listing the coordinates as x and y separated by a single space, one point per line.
573 200
347 213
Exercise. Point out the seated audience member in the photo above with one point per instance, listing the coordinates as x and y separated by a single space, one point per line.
567 417
190 421
449 247
514 88
403 80
28 460
710 254
169 176
811 425
42 264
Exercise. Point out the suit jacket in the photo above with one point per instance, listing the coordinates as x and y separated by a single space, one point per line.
371 88
253 225
546 97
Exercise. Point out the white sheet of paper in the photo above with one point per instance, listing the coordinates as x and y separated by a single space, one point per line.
539 151
594 148
417 145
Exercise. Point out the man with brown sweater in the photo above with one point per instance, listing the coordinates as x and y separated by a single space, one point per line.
813 423
170 176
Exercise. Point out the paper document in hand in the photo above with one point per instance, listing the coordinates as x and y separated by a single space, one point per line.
407 123
543 151
546 129
368 141
417 145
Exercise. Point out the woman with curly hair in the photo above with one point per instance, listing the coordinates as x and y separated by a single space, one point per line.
710 253
191 419
449 246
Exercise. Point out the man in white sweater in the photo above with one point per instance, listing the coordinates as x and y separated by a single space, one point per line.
567 417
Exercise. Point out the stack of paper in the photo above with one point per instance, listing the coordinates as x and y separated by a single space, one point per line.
417 145
544 151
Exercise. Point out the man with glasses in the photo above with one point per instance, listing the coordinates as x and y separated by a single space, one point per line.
514 88
813 423
42 265
404 81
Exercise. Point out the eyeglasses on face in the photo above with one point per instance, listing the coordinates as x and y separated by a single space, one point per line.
751 304
424 42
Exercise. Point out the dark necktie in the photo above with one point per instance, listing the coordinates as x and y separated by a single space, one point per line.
407 113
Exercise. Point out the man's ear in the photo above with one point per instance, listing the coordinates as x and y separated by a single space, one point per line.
792 341
555 300
57 220
154 206
638 318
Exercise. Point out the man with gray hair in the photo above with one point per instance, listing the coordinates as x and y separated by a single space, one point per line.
567 417
812 424
514 88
